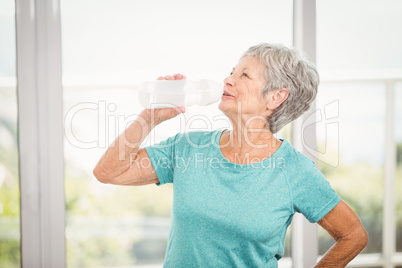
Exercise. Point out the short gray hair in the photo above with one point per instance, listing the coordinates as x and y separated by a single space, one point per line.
286 68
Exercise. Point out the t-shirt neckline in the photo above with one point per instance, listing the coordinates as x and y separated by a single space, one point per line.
265 162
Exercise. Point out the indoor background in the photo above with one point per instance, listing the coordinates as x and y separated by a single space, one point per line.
107 48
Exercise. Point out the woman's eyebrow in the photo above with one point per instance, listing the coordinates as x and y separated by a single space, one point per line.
245 68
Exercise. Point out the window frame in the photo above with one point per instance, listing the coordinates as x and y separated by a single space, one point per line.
40 133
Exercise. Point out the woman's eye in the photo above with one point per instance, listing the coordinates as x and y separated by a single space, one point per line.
244 74
231 73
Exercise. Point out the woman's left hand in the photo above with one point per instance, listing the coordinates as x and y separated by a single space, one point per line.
348 232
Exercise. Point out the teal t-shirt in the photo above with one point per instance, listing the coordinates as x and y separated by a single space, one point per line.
234 215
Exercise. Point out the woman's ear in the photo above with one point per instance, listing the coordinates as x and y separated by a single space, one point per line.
276 97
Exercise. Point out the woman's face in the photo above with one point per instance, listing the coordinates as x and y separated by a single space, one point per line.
244 84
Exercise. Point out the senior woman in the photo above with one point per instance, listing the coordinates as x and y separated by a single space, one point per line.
236 191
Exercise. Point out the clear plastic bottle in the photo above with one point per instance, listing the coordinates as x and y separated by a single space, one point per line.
176 93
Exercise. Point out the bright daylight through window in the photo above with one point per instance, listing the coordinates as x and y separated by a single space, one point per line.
360 60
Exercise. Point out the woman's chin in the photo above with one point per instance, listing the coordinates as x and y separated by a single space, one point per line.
229 104
226 109
223 106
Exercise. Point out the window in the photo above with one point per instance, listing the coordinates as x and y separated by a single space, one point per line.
9 183
121 45
360 61
352 141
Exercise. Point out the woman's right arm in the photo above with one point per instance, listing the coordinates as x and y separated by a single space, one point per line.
124 163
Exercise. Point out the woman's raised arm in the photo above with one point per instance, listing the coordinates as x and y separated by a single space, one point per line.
123 162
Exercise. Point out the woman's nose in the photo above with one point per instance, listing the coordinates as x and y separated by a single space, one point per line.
229 81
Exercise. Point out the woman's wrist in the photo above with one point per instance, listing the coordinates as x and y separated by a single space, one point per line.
147 116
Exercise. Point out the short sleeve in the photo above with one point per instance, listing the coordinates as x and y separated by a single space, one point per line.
313 195
161 156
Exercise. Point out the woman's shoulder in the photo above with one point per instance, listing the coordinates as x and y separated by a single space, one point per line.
295 160
301 171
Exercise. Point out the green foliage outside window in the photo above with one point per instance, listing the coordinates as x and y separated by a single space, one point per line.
9 196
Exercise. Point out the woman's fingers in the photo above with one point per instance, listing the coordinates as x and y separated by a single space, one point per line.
179 77
172 77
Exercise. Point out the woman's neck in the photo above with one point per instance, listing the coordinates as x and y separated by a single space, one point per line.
250 141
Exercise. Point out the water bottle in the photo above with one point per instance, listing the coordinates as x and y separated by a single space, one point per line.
176 93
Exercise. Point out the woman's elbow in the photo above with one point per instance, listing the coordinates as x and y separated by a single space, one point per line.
363 238
101 176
